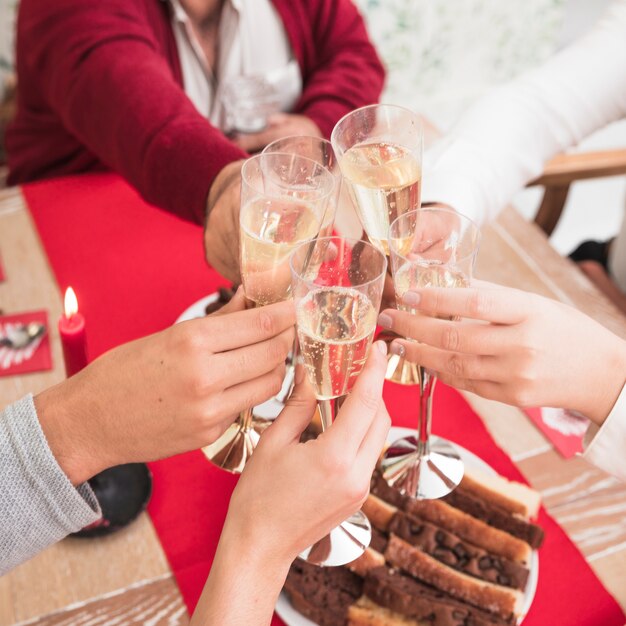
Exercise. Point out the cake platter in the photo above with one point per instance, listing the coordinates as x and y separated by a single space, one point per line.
292 617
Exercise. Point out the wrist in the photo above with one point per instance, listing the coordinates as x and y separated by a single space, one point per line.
611 382
261 548
244 581
66 427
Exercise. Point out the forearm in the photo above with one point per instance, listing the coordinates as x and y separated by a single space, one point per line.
504 140
243 585
38 504
69 421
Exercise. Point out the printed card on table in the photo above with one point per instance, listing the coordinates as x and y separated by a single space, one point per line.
564 429
35 357
2 275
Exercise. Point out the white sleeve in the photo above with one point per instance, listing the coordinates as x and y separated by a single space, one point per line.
606 446
503 141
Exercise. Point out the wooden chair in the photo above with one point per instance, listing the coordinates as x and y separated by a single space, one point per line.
563 170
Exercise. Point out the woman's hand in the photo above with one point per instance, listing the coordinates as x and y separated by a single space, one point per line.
292 494
532 352
174 391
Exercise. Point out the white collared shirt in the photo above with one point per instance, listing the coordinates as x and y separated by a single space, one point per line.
251 41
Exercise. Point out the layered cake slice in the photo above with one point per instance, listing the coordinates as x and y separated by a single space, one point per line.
409 598
323 594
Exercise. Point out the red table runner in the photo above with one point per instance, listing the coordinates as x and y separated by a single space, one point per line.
135 269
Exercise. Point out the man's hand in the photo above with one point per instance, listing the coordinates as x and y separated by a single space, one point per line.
221 230
278 126
168 393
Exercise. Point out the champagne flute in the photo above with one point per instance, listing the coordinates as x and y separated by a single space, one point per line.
283 202
379 148
321 151
432 247
337 287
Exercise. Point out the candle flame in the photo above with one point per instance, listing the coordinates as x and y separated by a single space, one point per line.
71 303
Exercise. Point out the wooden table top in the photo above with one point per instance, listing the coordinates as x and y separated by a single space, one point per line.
125 578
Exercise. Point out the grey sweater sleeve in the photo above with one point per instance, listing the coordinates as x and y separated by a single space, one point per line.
38 504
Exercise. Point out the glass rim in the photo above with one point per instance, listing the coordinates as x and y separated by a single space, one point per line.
298 274
321 140
380 105
435 209
291 137
257 158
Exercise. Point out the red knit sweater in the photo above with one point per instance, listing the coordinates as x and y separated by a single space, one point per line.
100 86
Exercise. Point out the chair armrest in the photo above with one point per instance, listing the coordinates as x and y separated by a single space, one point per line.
564 169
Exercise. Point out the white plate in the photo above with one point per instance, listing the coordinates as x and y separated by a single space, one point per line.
197 309
267 410
291 617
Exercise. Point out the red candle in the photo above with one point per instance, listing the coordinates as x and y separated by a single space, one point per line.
73 339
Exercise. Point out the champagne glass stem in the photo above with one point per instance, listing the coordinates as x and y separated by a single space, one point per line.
427 385
245 419
327 412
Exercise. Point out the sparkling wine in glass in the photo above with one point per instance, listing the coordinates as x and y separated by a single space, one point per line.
283 202
379 148
433 247
321 151
337 301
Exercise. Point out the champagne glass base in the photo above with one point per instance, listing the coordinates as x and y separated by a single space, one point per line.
426 477
233 449
343 544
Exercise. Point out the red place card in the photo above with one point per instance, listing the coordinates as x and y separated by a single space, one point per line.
2 276
34 358
564 429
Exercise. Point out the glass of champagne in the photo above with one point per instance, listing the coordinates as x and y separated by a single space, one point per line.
379 148
283 203
321 151
432 247
337 295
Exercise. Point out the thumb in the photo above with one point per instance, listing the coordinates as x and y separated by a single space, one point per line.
296 415
236 303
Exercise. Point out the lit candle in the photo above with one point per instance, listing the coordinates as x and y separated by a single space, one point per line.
73 339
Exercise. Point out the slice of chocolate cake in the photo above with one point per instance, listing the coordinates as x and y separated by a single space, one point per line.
411 598
458 554
446 516
323 594
502 601
495 516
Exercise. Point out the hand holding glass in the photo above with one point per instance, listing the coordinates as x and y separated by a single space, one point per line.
431 247
283 201
337 289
